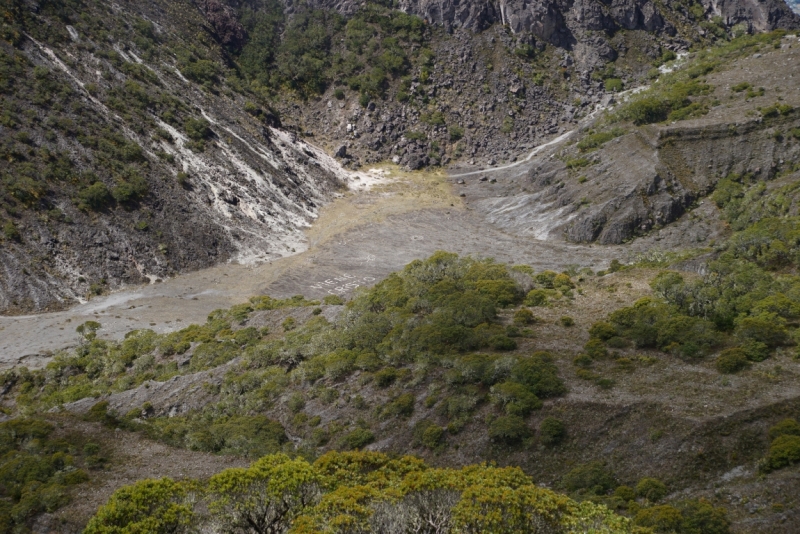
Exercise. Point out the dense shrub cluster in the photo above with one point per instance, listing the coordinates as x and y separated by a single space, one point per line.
595 481
748 300
37 470
420 324
351 492
316 48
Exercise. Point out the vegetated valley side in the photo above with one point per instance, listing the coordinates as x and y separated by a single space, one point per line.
657 395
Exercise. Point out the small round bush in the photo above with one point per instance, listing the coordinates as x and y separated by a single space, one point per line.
602 331
296 402
567 321
756 351
593 478
784 451
508 430
583 360
433 436
662 518
536 297
617 342
401 406
651 489
552 431
524 316
359 438
95 197
386 377
732 361
595 349
787 427
625 493
502 343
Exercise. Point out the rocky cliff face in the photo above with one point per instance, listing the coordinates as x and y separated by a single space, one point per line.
641 179
120 168
566 22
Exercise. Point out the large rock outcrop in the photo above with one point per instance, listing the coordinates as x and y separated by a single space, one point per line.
560 22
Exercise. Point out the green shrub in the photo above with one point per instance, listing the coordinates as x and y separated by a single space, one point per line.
131 189
515 398
434 119
592 479
567 321
146 506
651 489
428 434
456 133
502 343
662 518
552 431
524 316
625 493
95 197
783 451
613 85
787 427
755 351
602 331
700 517
433 437
578 163
732 361
11 232
296 402
197 129
651 323
767 328
595 349
402 406
99 414
598 139
333 300
583 360
472 369
617 342
386 377
539 374
508 430
537 297
358 439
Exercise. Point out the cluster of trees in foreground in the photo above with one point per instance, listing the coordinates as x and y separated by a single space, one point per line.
352 492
